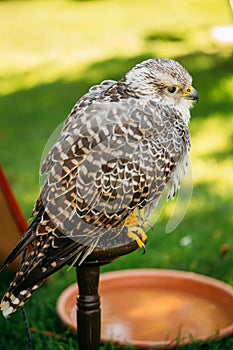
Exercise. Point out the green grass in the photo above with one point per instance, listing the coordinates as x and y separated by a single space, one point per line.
51 53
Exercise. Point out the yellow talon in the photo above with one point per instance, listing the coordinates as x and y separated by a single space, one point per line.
135 237
135 232
143 235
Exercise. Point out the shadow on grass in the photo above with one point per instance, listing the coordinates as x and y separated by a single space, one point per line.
46 105
164 36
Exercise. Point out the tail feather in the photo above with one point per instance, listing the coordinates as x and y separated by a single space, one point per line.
49 254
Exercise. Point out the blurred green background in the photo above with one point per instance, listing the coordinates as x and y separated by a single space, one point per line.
51 52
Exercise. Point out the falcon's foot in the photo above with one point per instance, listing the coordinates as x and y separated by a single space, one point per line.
135 231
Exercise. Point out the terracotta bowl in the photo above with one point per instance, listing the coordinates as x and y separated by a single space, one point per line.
160 309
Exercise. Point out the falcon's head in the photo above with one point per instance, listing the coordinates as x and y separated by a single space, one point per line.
162 79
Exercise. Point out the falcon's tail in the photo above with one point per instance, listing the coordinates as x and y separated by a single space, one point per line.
48 255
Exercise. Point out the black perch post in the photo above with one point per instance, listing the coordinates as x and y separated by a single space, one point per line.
88 300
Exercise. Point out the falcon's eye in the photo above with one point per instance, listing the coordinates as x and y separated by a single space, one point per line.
172 89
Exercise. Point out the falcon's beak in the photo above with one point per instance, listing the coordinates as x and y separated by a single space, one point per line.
191 94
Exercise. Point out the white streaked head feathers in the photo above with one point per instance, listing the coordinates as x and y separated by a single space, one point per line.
150 78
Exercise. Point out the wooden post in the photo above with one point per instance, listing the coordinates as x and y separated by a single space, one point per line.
88 307
88 300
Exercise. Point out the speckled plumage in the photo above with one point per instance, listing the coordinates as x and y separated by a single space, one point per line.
121 145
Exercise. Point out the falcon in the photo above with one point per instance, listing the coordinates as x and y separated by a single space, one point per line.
121 146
